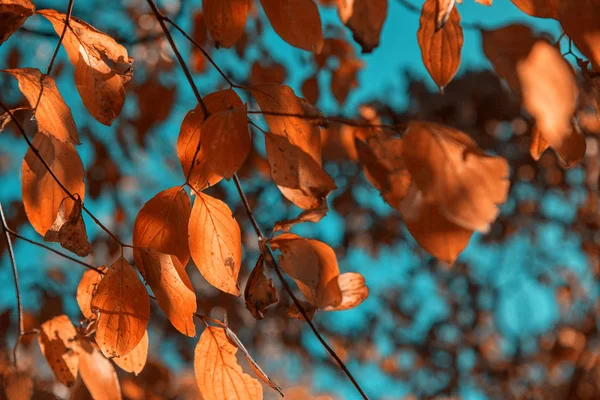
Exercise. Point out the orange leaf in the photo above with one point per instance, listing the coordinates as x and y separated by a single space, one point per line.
124 307
98 373
226 141
216 243
302 393
102 66
16 385
353 288
538 8
69 230
190 135
580 22
55 338
484 2
299 177
171 286
294 312
447 166
42 196
135 360
218 374
225 20
298 22
53 116
538 144
162 224
365 19
259 293
434 233
313 215
343 79
85 291
12 15
440 49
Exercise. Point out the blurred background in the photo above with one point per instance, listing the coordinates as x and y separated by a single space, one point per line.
515 317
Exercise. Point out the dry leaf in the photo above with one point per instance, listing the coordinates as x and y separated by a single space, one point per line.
215 243
135 360
365 19
313 215
538 8
343 79
294 312
53 116
579 21
69 230
12 15
102 66
225 20
449 169
218 374
302 393
56 338
440 48
162 224
298 176
85 291
354 291
443 12
310 89
171 286
190 135
538 144
124 309
298 22
98 373
16 385
42 196
260 292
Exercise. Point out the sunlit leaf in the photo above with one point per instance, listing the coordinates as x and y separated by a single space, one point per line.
260 292
55 338
135 360
85 290
365 19
69 230
225 20
98 373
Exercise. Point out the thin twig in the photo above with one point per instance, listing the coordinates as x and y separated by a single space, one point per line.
13 262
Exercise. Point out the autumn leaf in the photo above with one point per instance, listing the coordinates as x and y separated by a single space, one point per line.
539 8
294 312
102 66
42 195
579 21
12 15
69 230
135 360
98 373
298 22
444 7
53 116
440 48
353 288
260 292
302 393
171 286
218 374
190 135
215 243
124 309
55 339
365 18
449 169
162 224
344 79
85 290
313 215
225 20
538 144
16 385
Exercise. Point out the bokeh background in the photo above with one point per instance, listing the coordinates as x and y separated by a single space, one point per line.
515 317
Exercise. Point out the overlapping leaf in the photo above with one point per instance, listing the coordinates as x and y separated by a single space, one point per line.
56 338
85 290
69 230
135 360
12 15
260 292
225 20
98 373
365 18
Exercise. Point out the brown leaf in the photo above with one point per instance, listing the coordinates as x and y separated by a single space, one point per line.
298 22
42 196
218 374
538 144
16 385
440 48
225 20
56 338
539 8
365 19
313 215
190 135
310 89
102 66
215 243
444 7
260 292
124 307
353 288
69 230
298 176
226 141
12 15
98 373
53 116
135 360
446 165
85 291
580 22
171 286
302 393
162 224
343 79
294 312
313 265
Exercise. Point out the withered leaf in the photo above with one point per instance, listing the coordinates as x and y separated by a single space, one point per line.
124 310
444 7
98 373
260 292
135 360
12 15
215 243
225 20
365 18
102 66
56 338
69 230
42 195
85 290
353 288
538 8
294 312
440 48
313 215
